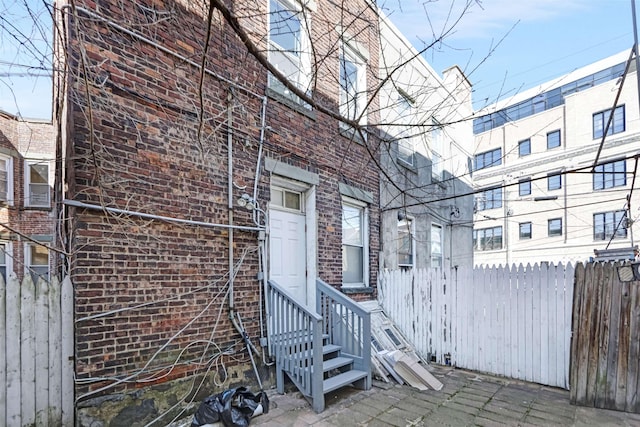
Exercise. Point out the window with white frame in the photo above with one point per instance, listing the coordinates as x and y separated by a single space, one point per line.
406 151
36 188
352 84
406 246
436 246
289 47
6 179
354 243
6 259
36 261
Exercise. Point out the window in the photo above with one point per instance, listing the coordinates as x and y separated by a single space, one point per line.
524 187
554 182
406 151
525 230
488 159
405 243
437 147
6 179
524 148
286 199
553 139
609 175
352 84
288 47
37 189
436 246
600 122
489 199
486 239
5 260
36 261
554 227
354 244
609 225
404 104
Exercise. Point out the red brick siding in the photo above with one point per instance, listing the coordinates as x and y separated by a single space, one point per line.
140 152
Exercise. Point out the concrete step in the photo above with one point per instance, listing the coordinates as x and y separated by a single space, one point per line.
342 380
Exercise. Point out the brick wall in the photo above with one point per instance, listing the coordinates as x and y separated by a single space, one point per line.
21 140
141 141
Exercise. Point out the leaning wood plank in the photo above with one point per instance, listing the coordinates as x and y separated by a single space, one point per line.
13 350
66 304
27 355
3 353
41 317
394 359
55 352
420 372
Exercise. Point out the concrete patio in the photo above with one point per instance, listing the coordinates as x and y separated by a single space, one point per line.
467 399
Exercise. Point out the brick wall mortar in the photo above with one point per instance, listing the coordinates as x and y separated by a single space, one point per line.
141 153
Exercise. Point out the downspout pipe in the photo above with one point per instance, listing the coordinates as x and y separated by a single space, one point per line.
232 273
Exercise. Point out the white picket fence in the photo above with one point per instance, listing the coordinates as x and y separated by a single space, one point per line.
36 352
514 322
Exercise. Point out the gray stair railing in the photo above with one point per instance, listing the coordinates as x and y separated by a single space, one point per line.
346 324
296 342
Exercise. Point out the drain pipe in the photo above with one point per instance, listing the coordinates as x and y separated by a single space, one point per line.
232 273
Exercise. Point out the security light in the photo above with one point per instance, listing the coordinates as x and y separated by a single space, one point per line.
629 272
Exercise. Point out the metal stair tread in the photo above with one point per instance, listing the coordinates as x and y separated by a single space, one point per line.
343 379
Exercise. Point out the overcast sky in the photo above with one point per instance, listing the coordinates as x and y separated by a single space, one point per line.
507 46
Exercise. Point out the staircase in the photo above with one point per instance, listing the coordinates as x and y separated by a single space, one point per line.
322 350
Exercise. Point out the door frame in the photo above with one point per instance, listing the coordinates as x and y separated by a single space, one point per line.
308 192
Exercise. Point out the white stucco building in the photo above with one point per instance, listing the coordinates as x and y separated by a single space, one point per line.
548 187
426 195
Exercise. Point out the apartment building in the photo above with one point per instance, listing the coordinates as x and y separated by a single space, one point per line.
554 168
27 153
426 201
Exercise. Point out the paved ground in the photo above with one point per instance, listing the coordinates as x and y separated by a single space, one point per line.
467 399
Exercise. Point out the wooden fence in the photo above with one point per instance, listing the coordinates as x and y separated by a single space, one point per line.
514 322
36 353
606 340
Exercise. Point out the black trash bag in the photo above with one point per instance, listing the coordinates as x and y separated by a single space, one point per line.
233 407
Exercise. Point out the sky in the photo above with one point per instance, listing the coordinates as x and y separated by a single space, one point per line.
507 46
503 46
25 59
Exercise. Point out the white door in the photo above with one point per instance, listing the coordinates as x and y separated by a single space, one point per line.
287 252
